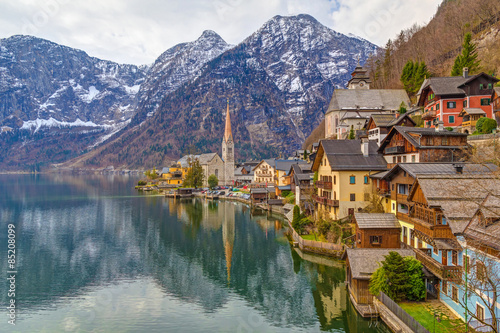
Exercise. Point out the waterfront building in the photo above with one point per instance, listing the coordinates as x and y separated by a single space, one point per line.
377 231
443 98
344 168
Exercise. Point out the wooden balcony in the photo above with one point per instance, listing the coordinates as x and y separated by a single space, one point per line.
447 273
326 201
395 150
402 198
404 217
429 114
433 231
324 185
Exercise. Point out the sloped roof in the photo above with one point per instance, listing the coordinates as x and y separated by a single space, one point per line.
378 221
444 85
363 262
415 169
473 111
383 119
368 99
420 131
347 155
497 90
284 165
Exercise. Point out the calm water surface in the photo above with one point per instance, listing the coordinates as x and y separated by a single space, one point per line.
93 255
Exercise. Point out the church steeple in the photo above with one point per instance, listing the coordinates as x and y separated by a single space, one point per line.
228 135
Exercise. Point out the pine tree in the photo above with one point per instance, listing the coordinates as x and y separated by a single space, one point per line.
468 58
413 75
395 269
352 136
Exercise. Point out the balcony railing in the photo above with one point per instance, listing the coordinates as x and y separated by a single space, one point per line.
324 185
326 201
447 273
429 114
404 217
395 150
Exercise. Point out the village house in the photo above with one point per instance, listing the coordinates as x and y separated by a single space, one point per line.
417 145
282 169
379 125
360 265
264 173
344 168
443 98
173 176
301 182
446 213
470 116
243 175
353 107
377 231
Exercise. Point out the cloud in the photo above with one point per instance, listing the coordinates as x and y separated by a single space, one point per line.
133 31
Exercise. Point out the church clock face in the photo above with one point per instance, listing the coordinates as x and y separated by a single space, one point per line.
361 84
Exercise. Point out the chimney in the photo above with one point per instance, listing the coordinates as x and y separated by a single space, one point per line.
459 168
364 147
466 72
440 126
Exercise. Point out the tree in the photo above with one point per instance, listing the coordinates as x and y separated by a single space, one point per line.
468 58
413 75
212 181
306 154
402 108
485 125
151 174
194 176
352 136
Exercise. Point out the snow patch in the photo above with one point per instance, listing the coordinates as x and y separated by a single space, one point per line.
132 90
93 92
51 122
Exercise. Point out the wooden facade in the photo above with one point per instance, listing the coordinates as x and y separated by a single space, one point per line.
387 238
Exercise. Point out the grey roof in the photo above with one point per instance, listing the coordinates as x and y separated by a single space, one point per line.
202 158
165 170
444 85
378 221
383 120
368 99
284 188
347 155
269 189
363 262
284 165
415 169
497 90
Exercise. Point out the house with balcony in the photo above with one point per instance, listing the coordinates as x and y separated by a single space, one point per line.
173 176
416 145
344 168
443 98
470 116
378 231
379 125
263 172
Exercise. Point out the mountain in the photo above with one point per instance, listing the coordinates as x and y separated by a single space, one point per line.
57 102
278 81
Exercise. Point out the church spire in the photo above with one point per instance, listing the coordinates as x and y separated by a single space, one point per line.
228 135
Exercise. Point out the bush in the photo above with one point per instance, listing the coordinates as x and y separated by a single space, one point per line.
142 182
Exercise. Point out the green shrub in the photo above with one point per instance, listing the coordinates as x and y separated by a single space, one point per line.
142 182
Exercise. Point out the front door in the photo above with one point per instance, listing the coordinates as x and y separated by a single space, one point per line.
445 257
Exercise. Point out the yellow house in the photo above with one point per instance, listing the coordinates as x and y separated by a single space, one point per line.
264 172
344 168
173 175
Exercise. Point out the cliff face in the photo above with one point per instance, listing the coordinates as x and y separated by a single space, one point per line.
279 82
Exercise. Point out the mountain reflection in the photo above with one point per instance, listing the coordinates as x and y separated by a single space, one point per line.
79 233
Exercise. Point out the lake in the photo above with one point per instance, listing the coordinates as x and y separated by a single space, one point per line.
94 255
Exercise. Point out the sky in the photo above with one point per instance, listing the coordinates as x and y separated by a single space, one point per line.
138 31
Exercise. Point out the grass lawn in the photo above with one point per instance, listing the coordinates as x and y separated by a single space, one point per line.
310 237
424 314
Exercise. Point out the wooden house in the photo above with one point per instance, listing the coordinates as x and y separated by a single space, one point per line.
360 265
377 231
379 125
417 145
470 116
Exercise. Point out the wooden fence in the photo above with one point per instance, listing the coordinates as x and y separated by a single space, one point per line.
401 314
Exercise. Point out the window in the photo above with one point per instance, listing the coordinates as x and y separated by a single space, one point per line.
413 159
403 189
454 293
435 250
359 236
405 232
467 263
490 86
454 257
481 87
334 180
444 141
375 239
437 106
352 179
399 159
217 173
485 101
352 196
451 119
480 270
229 151
393 206
394 160
465 103
451 105
479 312
367 196
412 235
392 186
445 287
404 159
367 180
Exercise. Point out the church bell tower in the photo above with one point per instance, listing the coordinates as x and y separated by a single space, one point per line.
228 151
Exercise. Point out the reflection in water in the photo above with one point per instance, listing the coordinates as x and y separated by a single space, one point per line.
93 255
